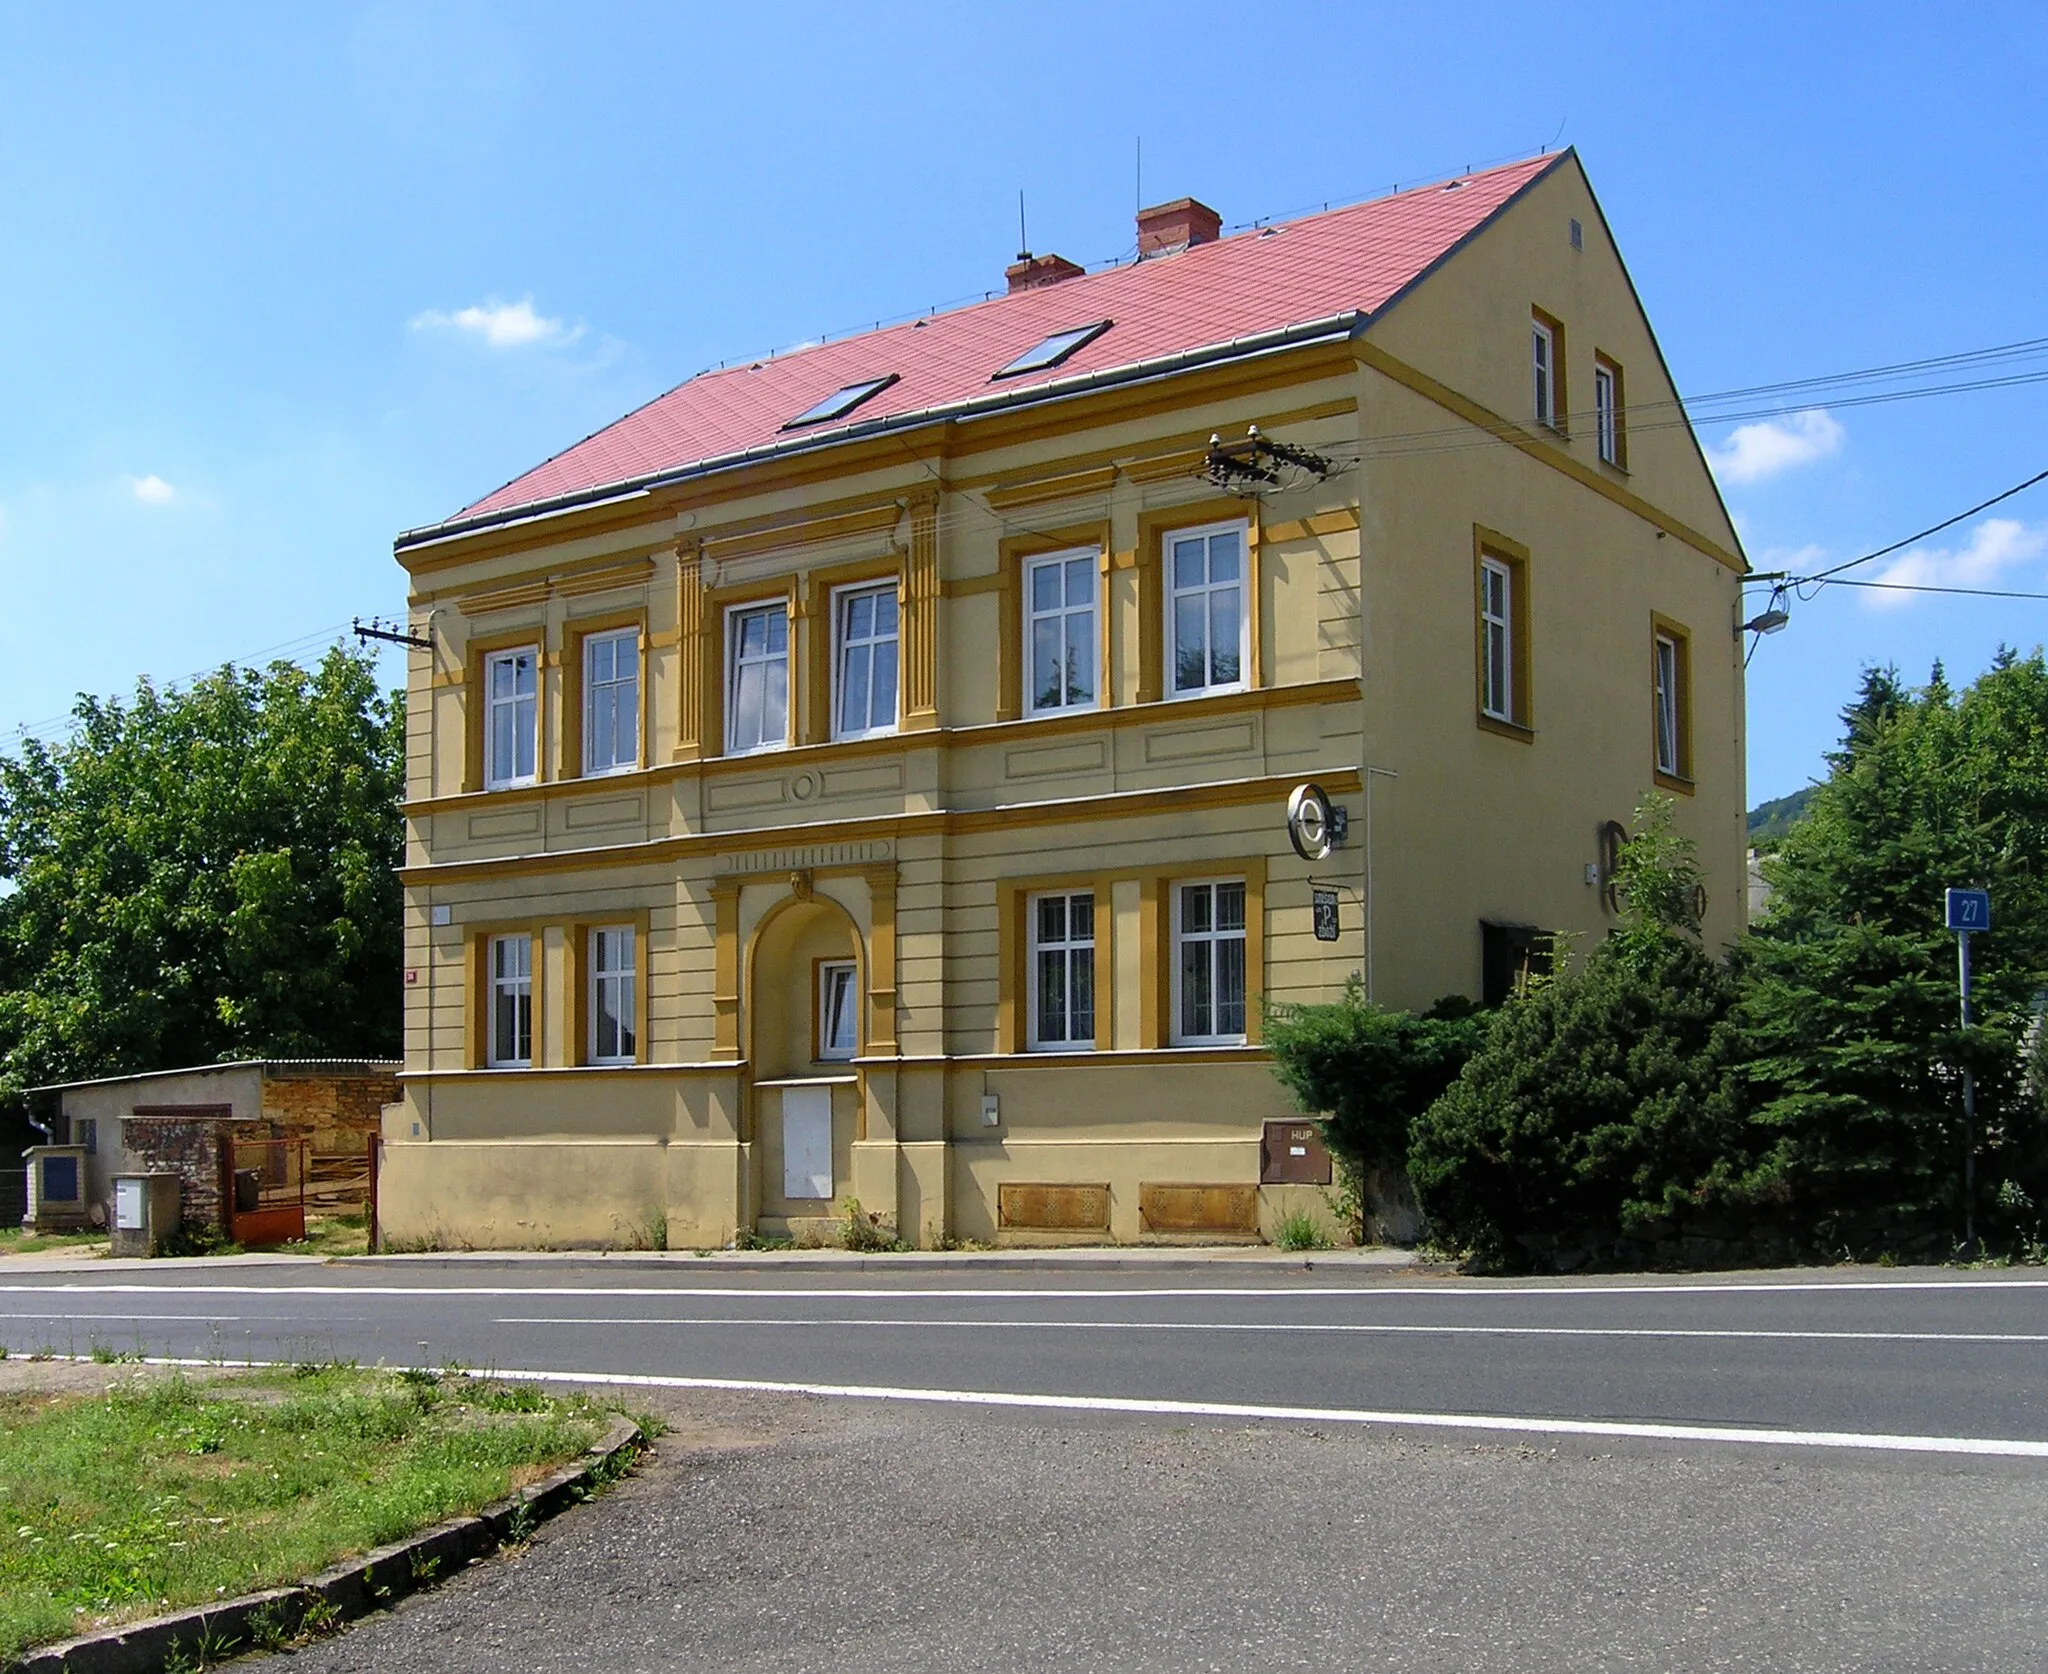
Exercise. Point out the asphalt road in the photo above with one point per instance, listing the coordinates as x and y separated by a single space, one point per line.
1953 1359
1241 1471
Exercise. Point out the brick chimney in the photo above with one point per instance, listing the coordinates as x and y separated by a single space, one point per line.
1167 227
1029 272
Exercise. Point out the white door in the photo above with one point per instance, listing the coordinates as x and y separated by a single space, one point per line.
807 1142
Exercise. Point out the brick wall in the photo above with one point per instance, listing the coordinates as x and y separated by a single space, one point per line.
337 1114
189 1147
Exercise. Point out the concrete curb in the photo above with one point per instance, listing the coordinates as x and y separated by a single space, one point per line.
1221 1260
373 1581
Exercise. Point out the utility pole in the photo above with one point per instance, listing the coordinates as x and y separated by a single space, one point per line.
1968 911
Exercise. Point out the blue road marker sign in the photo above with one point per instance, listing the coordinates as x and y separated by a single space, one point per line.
1969 909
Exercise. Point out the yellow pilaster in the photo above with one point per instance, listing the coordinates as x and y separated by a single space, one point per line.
921 619
691 651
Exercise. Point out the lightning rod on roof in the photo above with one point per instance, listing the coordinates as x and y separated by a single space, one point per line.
1023 243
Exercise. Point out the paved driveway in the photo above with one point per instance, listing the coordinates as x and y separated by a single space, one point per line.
882 1537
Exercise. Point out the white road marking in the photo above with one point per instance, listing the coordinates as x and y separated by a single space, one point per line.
1316 1325
1463 1290
1715 1434
147 1319
1712 1434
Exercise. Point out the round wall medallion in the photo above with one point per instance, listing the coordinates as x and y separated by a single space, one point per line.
1308 822
804 786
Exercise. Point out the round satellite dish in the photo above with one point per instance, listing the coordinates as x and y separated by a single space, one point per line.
1308 822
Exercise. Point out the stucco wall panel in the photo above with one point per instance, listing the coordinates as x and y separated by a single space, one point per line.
500 1194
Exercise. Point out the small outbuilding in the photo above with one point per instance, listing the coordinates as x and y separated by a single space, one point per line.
257 1129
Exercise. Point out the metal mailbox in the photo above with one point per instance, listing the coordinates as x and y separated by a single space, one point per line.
1293 1154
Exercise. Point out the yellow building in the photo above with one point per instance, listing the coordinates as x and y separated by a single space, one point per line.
863 772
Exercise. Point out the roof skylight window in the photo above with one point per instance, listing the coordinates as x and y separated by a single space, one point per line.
1054 349
841 402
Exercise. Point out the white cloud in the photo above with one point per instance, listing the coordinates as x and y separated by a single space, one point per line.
1755 451
503 325
1995 546
152 490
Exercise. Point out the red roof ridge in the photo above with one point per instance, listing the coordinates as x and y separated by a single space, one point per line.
1230 293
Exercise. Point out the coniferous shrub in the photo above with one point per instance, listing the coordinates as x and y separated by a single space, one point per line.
1598 1121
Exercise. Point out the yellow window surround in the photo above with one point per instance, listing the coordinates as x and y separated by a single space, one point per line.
1680 638
576 636
1154 998
1154 528
1512 556
1618 386
1560 360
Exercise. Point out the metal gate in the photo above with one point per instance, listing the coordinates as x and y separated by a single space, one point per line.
267 1191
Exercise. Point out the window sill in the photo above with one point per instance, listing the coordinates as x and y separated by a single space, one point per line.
1062 1049
510 784
1673 782
1208 1043
1507 729
776 749
863 737
1207 692
615 772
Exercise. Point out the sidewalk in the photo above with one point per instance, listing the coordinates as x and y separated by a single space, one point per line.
1129 1258
1146 1258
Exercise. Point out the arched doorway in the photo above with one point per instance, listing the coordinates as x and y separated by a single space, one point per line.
806 978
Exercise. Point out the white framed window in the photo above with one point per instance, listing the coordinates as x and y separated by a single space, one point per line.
838 1026
511 1027
1543 367
1208 628
757 678
1606 415
1060 636
511 716
611 702
1062 971
865 623
1665 665
1496 640
614 995
1208 962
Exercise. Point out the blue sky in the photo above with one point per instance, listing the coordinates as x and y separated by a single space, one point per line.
277 282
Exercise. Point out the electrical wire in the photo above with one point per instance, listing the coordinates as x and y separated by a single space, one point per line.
1929 587
1932 529
285 650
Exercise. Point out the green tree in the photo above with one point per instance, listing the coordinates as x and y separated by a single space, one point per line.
1849 981
1598 1120
205 874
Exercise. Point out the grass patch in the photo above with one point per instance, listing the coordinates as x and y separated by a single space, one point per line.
1301 1230
334 1235
13 1241
164 1494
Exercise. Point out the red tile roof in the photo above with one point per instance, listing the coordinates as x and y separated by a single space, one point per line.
1253 283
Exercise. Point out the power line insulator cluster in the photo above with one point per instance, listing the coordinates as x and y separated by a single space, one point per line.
1257 464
